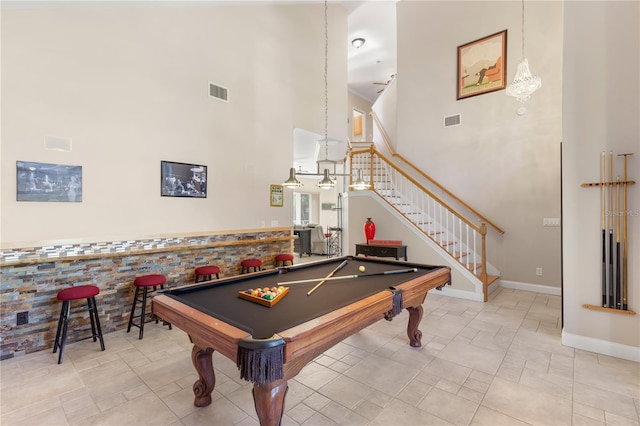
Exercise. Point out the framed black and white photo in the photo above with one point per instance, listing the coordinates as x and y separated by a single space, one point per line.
183 179
48 182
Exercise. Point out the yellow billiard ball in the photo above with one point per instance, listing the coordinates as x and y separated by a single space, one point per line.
361 269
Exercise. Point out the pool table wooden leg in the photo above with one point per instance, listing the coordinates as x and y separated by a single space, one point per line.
415 335
269 401
202 388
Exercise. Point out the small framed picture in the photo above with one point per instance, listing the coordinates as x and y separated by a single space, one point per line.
482 65
277 195
183 180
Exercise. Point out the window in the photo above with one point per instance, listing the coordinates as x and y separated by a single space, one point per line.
301 208
358 126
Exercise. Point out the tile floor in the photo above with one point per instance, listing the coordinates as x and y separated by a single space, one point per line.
495 363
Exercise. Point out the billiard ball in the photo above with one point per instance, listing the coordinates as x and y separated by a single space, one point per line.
361 269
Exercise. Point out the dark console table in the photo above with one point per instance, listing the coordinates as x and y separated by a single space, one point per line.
382 251
302 244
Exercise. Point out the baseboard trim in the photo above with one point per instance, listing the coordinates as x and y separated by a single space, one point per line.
604 347
459 294
536 288
479 297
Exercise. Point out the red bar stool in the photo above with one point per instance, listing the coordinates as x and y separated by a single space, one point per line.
143 286
248 264
206 273
284 258
68 295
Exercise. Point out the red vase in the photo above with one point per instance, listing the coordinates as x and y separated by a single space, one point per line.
369 229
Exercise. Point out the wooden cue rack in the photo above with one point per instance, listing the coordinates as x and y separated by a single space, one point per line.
621 269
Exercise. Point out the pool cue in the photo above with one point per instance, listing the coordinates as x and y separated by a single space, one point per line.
344 277
610 188
604 230
340 266
618 305
624 233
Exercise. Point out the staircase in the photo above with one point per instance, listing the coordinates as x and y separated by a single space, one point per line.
459 237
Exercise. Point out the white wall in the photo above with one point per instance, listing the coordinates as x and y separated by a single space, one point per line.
386 109
504 165
129 87
600 113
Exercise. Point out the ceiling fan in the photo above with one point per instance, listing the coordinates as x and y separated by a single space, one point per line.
391 77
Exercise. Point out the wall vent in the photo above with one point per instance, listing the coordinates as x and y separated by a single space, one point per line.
218 92
452 120
57 144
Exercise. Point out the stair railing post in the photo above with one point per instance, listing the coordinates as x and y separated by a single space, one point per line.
484 275
350 166
371 153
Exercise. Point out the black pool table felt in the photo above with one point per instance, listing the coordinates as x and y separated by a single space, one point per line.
220 298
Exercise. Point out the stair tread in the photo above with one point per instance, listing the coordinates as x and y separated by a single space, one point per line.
492 278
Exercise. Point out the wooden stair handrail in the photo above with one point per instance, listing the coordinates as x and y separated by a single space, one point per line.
375 152
429 178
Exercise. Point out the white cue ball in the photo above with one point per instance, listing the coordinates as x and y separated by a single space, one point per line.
361 269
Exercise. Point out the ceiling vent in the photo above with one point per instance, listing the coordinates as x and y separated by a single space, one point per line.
57 144
452 120
218 92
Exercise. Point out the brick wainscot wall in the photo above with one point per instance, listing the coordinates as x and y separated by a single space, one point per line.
31 277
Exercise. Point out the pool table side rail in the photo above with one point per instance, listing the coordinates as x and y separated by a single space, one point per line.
319 334
414 292
204 330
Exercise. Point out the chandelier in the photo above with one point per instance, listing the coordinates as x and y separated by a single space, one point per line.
524 84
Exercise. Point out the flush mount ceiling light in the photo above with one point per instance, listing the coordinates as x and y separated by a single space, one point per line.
358 42
524 84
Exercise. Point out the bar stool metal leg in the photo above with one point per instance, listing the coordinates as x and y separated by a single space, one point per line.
66 309
143 312
133 309
91 318
94 312
60 320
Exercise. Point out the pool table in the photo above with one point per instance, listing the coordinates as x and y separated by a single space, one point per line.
271 344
